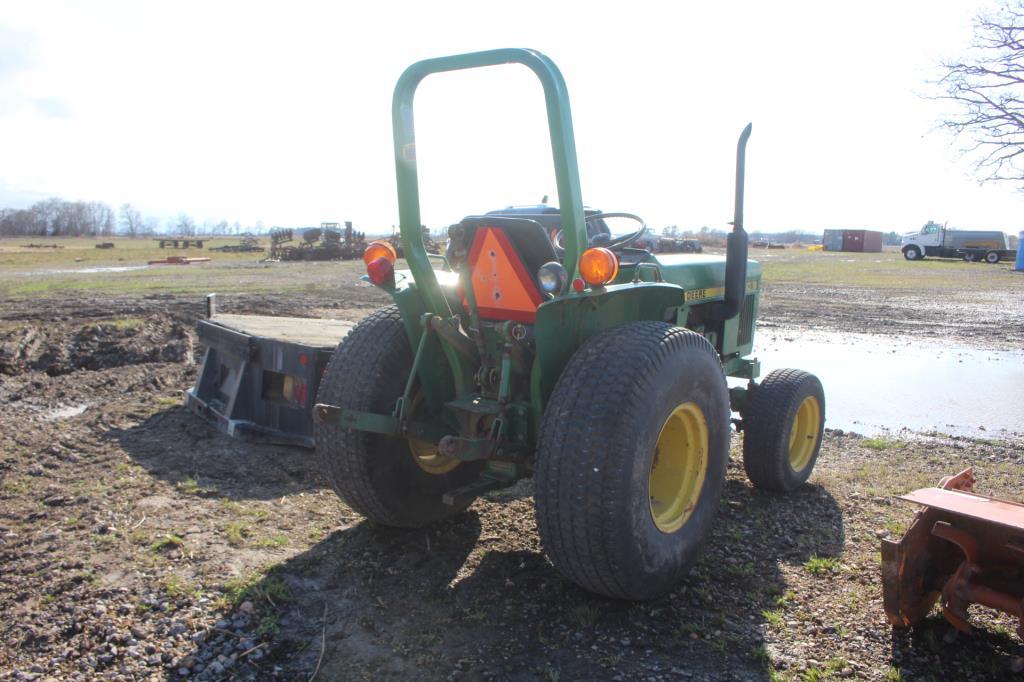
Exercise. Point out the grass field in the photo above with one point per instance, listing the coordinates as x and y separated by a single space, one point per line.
80 266
886 270
26 271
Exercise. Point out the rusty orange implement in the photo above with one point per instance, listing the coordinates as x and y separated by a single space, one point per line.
178 260
963 548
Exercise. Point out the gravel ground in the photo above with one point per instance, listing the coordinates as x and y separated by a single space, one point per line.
137 543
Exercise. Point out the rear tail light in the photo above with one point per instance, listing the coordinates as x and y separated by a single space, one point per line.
381 271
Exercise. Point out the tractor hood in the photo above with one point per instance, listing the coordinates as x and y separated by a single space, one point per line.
702 277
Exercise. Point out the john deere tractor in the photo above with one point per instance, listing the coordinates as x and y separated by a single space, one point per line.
543 345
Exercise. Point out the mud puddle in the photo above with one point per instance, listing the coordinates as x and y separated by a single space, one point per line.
85 271
66 412
877 384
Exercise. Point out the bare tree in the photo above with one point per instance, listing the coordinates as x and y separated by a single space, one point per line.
131 220
987 87
185 225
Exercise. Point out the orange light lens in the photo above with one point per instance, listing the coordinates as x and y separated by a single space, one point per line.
598 266
379 249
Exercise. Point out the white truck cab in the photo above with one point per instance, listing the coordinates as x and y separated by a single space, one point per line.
915 245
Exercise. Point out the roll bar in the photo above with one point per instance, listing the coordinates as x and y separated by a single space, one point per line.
563 150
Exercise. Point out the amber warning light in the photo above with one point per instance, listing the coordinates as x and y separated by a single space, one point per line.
380 258
599 266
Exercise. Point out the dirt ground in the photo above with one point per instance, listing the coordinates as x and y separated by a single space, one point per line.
136 542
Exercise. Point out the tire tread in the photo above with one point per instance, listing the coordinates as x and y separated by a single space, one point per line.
766 423
577 470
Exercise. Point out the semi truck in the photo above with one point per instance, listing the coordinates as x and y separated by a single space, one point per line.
940 241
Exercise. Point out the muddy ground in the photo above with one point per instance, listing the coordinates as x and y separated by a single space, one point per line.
136 542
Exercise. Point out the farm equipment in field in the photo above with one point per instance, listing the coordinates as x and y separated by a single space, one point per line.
962 548
327 242
247 243
431 246
546 346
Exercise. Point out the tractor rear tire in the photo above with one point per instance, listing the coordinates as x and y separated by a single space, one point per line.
631 459
379 476
783 424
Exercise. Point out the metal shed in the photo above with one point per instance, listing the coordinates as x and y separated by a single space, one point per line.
833 240
868 241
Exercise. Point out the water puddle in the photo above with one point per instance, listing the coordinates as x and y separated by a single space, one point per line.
86 271
876 384
65 412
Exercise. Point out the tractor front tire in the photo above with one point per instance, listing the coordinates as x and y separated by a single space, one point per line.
631 459
783 424
381 477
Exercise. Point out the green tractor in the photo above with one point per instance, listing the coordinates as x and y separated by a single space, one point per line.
543 346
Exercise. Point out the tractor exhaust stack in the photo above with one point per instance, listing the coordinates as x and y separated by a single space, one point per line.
736 243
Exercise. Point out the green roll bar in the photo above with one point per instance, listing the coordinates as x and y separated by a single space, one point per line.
563 150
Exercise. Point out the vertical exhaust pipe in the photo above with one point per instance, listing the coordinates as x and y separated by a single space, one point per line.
736 243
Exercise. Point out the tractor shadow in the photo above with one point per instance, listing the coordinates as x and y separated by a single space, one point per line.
475 598
176 446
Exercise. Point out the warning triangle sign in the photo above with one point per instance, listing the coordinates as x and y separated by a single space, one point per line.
502 287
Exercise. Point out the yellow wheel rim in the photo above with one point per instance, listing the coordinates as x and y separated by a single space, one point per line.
803 436
424 453
429 459
679 467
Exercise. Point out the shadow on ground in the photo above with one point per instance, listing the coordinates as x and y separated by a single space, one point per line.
936 645
175 446
474 598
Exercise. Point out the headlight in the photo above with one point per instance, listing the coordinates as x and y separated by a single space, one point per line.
552 278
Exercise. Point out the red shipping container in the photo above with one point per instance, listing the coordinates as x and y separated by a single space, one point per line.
869 241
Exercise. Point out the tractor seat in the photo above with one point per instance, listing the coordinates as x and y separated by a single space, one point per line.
531 241
502 256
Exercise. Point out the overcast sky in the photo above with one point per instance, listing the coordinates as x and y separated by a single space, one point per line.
280 112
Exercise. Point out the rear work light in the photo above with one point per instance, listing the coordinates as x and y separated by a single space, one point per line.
379 249
552 278
598 266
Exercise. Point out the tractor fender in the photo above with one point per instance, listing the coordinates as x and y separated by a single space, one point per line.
563 324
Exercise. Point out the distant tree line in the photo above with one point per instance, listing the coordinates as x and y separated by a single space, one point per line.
60 218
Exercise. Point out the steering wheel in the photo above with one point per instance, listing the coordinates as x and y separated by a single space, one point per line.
557 236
